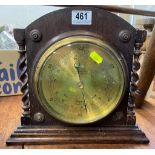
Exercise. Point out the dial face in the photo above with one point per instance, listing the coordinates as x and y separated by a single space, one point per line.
80 80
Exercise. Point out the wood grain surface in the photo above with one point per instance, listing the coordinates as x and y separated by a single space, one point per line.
10 112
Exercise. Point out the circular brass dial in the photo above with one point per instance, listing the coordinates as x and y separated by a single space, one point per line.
79 79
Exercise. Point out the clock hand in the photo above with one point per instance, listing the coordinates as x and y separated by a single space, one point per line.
85 106
77 66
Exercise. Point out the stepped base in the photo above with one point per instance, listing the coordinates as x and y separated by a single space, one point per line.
77 135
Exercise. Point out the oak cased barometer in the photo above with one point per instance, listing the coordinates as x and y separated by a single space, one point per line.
79 72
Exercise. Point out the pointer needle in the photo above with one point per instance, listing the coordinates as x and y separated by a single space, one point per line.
77 66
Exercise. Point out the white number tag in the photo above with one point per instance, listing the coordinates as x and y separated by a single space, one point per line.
81 17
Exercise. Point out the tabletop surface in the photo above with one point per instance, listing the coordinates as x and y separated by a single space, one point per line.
10 112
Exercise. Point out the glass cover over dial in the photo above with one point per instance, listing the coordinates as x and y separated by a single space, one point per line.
79 80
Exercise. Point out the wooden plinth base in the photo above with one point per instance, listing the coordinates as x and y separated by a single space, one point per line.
77 135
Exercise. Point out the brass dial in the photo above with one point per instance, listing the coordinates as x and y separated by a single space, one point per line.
79 79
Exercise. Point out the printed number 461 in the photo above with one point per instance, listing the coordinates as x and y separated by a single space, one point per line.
81 15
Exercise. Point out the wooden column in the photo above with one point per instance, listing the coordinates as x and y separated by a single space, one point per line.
147 72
